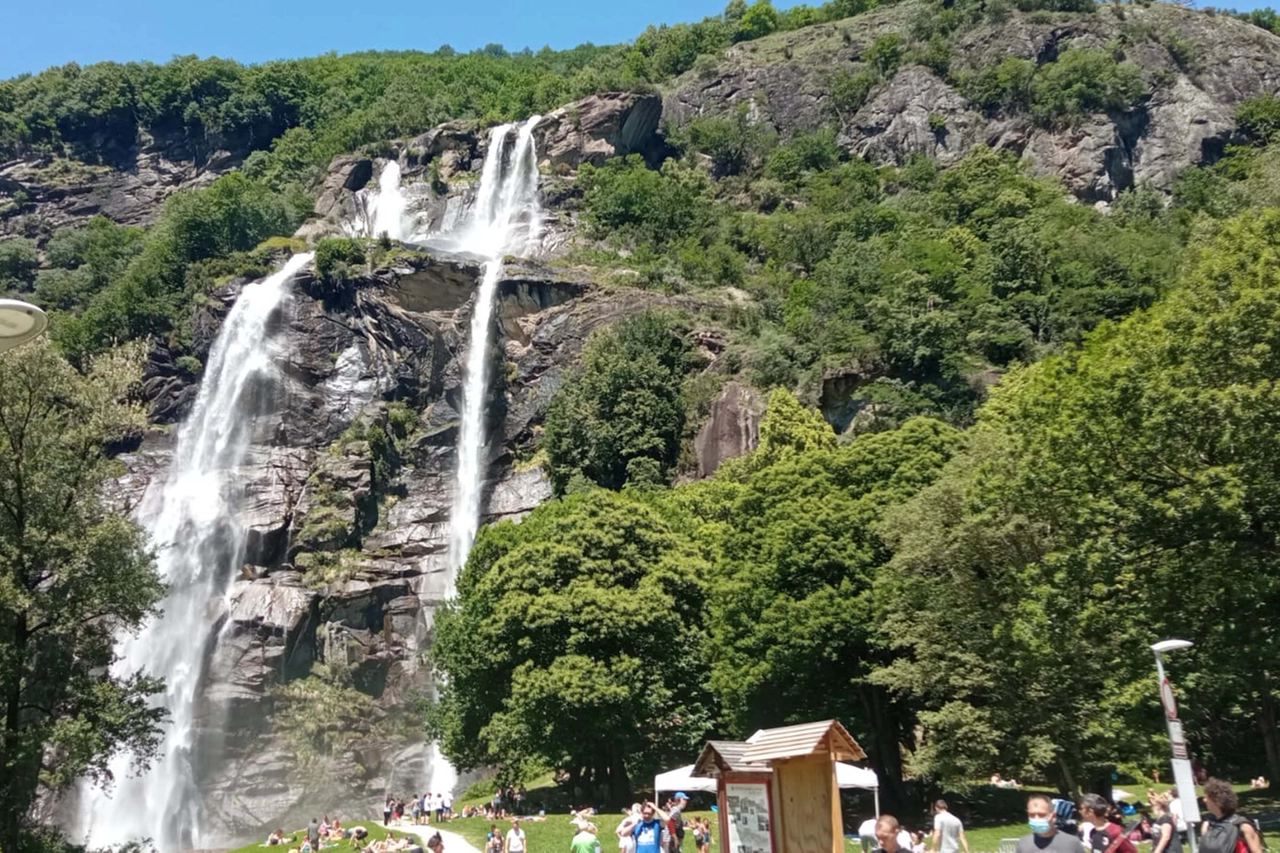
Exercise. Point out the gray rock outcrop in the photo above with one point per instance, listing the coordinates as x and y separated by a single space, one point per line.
599 127
1198 68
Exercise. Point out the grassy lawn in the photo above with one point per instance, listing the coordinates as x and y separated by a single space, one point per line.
376 833
553 834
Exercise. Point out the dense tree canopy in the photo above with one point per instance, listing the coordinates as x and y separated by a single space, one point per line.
72 575
577 642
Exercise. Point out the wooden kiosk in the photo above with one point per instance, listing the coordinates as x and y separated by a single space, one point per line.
777 792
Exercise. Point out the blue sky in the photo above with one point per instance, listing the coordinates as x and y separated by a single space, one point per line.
51 32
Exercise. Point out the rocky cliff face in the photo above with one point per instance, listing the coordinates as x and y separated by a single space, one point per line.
393 335
1187 118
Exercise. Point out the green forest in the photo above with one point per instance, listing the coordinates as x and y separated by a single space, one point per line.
1062 444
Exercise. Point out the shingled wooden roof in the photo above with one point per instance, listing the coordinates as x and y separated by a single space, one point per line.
725 756
826 738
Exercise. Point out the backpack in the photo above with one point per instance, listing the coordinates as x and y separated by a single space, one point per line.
1225 836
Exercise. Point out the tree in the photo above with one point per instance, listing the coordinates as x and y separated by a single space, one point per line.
73 575
18 263
1123 492
758 21
793 625
576 641
621 406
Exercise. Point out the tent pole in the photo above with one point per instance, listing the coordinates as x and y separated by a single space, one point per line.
877 790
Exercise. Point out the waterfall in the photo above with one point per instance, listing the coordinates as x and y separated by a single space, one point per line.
379 211
200 546
389 210
505 219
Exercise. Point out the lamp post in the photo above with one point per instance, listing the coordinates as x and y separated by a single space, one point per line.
19 323
1182 774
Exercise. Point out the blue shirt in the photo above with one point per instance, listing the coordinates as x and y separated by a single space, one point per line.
648 835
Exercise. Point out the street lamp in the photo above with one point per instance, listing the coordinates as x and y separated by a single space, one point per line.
1182 774
19 323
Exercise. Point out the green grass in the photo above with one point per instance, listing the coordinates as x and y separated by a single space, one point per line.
553 834
376 833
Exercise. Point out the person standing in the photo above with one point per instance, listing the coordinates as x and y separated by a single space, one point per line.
626 826
889 835
516 842
313 834
387 808
1225 830
493 841
1044 835
948 831
1106 834
585 841
676 817
1164 832
649 833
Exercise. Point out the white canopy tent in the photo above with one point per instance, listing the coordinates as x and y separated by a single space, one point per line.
681 779
847 776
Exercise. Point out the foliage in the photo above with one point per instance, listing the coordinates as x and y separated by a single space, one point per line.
335 256
18 263
1259 118
626 201
1084 81
1005 85
324 715
576 641
151 294
72 575
1103 502
622 408
733 142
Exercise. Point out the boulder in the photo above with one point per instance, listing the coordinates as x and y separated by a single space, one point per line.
596 128
732 428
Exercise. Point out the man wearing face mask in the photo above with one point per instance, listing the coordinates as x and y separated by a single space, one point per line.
1044 831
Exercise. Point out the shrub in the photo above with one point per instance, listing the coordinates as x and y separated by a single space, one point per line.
849 91
885 55
335 256
733 142
1005 86
760 20
626 201
18 263
1083 82
1259 118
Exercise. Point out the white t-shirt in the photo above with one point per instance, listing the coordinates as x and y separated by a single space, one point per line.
949 826
515 841
1175 812
868 828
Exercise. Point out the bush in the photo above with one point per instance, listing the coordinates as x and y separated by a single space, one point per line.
885 55
849 91
808 152
733 142
1083 82
1259 118
628 202
18 263
1006 86
335 256
760 20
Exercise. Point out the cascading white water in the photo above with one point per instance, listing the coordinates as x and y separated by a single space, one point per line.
380 210
200 546
504 220
389 212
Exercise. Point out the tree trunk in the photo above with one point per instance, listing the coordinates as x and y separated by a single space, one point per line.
1267 727
619 781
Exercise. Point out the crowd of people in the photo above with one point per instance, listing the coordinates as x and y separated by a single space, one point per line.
1094 825
419 809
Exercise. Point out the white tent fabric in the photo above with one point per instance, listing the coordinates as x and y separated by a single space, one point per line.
681 780
851 776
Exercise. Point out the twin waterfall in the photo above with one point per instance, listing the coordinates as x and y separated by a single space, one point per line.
194 519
